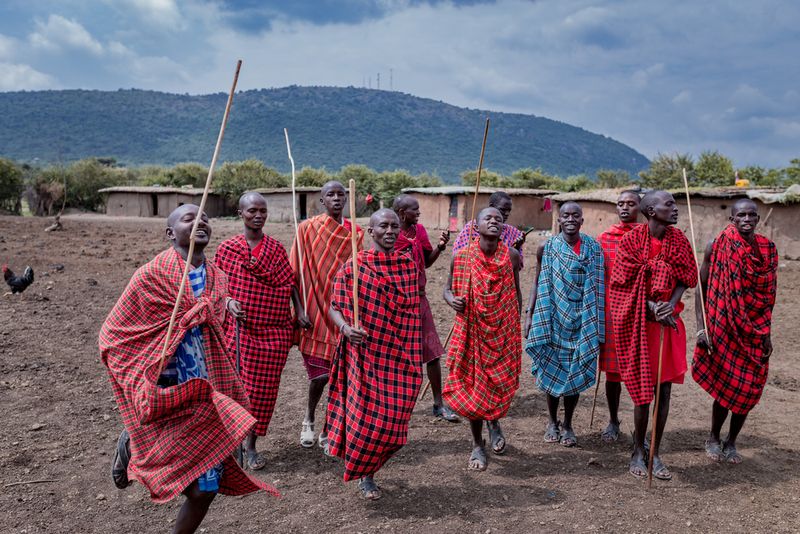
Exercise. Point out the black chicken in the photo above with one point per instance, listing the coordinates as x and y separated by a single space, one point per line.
18 284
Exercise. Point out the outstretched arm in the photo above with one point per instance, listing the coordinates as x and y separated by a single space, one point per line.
432 255
532 300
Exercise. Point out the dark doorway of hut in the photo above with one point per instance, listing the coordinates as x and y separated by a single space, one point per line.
154 204
303 207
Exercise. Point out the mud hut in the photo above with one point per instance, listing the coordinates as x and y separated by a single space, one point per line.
779 210
449 207
279 203
157 201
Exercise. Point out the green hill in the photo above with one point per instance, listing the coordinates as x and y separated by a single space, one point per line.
328 126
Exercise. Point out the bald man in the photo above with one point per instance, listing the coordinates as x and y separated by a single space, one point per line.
322 245
182 422
565 320
510 235
261 279
739 281
377 370
653 267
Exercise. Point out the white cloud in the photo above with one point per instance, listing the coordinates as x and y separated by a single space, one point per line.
683 97
59 33
160 13
15 77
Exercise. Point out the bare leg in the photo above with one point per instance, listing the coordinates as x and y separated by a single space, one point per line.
250 444
315 389
570 402
663 413
194 509
476 426
435 378
552 408
477 460
613 393
641 416
718 416
737 422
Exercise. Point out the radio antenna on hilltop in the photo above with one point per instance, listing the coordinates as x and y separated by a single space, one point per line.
370 82
363 82
391 79
379 81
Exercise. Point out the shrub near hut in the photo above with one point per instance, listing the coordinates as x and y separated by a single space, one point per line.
11 186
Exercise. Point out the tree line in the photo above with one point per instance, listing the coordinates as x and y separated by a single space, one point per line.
44 188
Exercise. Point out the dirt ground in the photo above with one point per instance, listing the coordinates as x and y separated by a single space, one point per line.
60 424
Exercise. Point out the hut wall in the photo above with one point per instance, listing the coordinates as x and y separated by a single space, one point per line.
129 205
597 217
434 211
529 211
279 207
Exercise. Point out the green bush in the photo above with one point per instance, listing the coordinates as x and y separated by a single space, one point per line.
236 177
85 178
311 177
193 174
11 186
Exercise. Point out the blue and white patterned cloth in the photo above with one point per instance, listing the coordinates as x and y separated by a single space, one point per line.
568 323
189 361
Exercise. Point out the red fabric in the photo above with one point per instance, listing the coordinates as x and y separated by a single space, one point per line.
177 433
373 388
576 247
610 240
325 246
644 272
742 283
485 351
415 241
262 282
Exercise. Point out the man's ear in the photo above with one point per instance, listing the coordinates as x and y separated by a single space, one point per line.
170 233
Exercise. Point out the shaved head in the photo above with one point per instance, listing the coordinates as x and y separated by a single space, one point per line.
249 198
381 214
333 184
498 196
743 203
649 200
178 212
487 209
570 205
402 202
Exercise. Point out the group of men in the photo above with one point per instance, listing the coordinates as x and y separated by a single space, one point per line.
614 300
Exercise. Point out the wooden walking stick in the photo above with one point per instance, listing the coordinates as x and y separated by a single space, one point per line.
469 234
239 449
354 246
596 389
696 262
296 226
185 276
654 419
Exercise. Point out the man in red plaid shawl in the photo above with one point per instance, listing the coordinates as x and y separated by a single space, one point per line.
739 281
414 239
261 279
654 266
376 374
485 351
186 417
510 235
628 212
322 245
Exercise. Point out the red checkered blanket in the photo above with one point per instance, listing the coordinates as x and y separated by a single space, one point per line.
261 280
742 284
177 433
485 354
610 240
636 278
373 388
325 247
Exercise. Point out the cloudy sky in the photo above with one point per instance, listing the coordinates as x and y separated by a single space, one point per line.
660 76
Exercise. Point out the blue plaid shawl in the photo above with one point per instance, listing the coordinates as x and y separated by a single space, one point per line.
568 323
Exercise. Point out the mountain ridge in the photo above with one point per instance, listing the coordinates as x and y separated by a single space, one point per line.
328 126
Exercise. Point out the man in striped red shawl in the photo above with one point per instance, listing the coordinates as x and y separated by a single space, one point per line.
261 279
510 235
653 268
376 374
414 239
739 281
322 245
183 419
628 212
485 351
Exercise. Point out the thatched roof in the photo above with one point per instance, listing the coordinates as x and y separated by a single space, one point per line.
150 189
469 190
277 190
766 195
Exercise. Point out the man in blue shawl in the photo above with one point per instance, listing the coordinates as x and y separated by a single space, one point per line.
565 321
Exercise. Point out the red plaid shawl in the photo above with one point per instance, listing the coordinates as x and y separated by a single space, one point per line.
610 240
416 240
326 246
177 433
262 283
485 350
635 279
373 388
741 294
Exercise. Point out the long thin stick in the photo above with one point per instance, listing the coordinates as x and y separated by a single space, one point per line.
26 482
199 216
696 261
654 419
296 226
239 450
354 246
472 215
596 389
